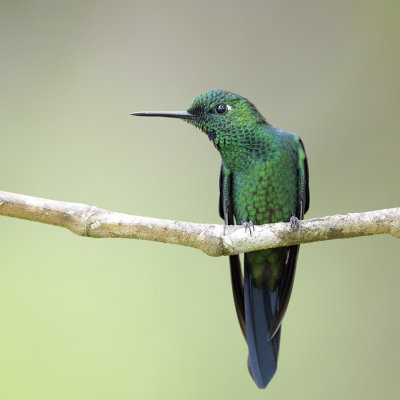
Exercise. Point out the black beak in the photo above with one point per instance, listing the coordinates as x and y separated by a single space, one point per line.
169 114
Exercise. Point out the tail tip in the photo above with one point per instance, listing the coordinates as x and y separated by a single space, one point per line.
259 381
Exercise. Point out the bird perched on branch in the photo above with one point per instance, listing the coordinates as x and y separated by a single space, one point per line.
263 179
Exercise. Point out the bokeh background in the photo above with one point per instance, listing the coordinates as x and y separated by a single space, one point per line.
121 319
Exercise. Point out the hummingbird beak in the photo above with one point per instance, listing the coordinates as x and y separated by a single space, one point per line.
169 114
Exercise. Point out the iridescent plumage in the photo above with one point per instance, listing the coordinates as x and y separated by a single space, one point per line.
263 179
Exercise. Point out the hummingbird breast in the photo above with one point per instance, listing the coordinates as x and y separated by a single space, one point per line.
267 192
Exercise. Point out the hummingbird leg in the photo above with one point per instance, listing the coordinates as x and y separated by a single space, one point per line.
248 225
294 222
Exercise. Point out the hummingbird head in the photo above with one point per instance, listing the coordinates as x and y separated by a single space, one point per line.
224 115
230 121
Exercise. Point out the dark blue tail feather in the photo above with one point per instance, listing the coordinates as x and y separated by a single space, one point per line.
260 310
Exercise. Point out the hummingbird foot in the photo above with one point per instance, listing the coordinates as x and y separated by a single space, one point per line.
248 225
294 222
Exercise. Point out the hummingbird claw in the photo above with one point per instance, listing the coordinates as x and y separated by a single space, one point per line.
248 225
294 222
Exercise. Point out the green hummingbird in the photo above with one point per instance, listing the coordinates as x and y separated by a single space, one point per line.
263 179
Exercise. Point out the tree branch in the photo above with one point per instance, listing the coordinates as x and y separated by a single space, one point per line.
214 240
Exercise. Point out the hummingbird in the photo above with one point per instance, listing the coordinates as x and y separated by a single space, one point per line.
263 179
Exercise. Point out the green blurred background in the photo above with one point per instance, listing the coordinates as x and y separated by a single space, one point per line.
122 319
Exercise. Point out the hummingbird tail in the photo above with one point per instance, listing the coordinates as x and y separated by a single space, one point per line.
260 310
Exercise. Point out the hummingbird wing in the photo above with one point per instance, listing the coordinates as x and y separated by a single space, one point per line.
304 181
225 212
286 283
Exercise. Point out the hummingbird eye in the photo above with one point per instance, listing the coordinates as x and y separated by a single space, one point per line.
222 108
